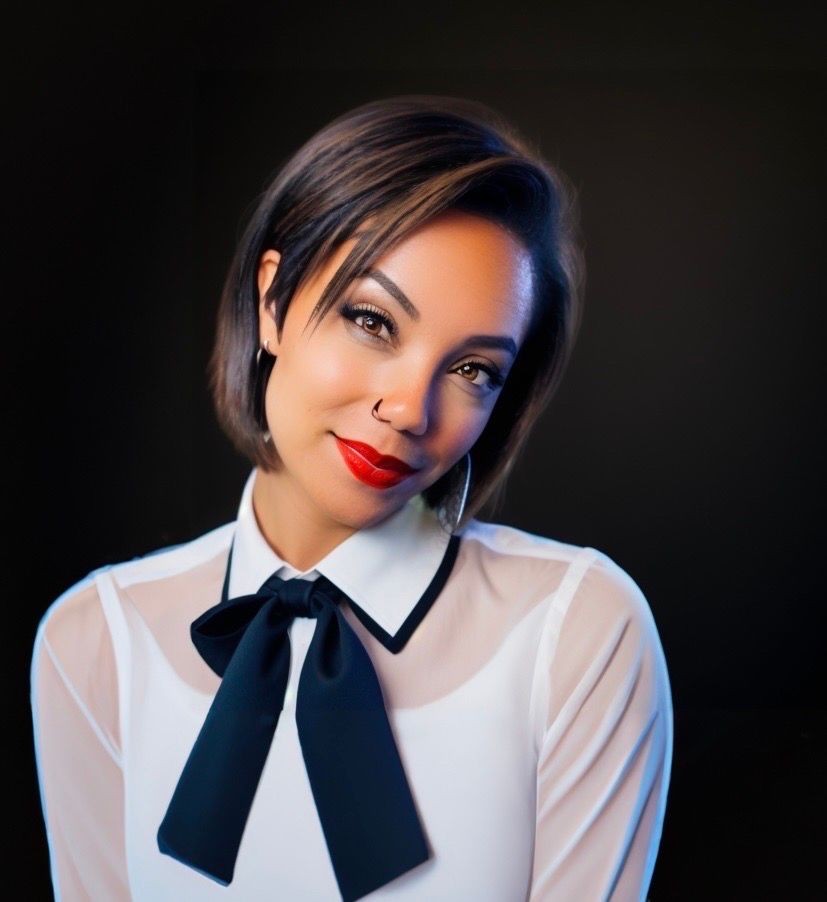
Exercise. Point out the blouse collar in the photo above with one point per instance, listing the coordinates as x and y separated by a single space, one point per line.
392 571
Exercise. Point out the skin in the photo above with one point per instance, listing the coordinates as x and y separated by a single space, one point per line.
466 276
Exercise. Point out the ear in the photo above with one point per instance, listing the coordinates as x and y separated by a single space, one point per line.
267 310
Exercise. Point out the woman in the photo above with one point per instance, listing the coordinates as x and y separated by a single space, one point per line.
357 687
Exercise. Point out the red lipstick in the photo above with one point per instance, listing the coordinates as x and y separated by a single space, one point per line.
378 470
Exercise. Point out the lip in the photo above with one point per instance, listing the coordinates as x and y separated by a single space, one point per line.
384 461
368 465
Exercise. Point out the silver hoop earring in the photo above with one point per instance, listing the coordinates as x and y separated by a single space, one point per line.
464 490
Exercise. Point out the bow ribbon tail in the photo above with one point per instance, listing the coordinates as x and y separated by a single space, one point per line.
362 796
206 817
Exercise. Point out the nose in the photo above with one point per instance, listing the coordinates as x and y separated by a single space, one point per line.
405 404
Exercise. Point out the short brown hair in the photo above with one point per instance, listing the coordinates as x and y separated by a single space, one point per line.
398 162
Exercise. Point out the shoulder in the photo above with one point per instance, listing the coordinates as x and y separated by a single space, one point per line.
577 577
595 613
564 573
598 654
75 621
499 540
515 563
600 650
173 560
602 591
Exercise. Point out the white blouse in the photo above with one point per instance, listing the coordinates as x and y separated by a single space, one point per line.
524 681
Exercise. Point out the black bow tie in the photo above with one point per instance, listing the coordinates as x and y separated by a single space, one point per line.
362 796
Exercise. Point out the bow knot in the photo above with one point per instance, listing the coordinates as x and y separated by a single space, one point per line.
219 631
294 597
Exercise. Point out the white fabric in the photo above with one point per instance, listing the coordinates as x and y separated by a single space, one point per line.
531 708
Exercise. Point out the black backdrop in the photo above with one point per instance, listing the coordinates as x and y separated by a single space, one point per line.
685 441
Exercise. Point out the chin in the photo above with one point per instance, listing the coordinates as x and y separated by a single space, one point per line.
358 509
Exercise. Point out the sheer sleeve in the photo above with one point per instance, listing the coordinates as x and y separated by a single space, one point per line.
605 740
74 705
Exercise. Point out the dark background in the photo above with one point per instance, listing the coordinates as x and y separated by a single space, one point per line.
685 441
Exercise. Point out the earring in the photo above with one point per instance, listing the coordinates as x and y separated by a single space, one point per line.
266 347
464 490
266 435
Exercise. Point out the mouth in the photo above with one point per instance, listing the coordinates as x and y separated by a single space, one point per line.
381 461
380 471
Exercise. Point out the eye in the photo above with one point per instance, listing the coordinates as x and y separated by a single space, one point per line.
495 376
372 315
373 318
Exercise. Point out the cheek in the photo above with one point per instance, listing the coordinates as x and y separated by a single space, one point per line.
319 377
463 426
337 367
333 376
469 430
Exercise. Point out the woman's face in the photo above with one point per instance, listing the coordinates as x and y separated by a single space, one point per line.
463 277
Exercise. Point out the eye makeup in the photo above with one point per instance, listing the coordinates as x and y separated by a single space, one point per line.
353 311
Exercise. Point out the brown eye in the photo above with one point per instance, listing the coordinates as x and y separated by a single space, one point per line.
374 319
370 318
495 377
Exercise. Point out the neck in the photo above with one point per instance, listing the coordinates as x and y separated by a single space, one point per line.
299 533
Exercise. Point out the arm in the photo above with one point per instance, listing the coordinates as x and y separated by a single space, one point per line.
78 759
605 745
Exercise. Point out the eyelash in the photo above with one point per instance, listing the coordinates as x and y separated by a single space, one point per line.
352 312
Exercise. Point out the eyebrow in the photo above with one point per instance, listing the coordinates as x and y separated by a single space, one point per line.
500 342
